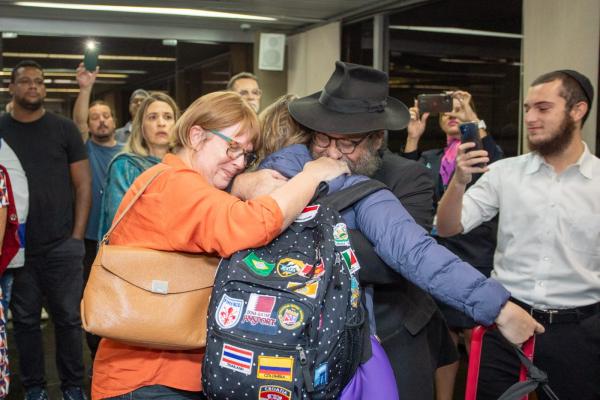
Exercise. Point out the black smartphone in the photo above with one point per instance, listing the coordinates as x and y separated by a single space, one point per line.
435 103
469 132
90 55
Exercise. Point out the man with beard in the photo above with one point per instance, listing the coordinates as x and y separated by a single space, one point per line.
548 251
97 121
55 161
346 121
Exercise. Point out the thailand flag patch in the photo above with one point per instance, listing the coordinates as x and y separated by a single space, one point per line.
237 359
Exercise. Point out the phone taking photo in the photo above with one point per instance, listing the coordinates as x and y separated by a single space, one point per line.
90 55
469 133
435 103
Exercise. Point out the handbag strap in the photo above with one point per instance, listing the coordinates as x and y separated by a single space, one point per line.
131 203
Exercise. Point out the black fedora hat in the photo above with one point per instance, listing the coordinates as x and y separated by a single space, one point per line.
354 100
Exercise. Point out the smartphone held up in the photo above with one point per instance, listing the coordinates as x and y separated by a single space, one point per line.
435 103
469 133
90 55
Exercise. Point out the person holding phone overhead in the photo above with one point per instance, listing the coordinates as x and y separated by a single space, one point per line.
477 247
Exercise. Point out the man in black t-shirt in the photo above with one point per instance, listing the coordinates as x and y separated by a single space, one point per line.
55 161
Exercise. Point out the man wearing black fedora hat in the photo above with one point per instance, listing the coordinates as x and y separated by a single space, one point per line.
348 119
352 111
548 252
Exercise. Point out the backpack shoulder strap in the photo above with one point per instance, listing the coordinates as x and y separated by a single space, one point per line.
346 197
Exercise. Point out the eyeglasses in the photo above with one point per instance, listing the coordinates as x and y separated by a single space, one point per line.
344 146
235 150
255 92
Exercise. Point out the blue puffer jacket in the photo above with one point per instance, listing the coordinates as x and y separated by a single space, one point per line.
405 246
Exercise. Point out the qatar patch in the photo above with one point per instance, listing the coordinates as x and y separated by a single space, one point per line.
237 359
257 265
308 290
275 368
340 235
287 267
257 317
273 392
290 316
307 271
321 376
229 312
308 213
351 261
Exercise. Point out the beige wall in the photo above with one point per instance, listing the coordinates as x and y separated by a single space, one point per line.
272 83
311 58
561 34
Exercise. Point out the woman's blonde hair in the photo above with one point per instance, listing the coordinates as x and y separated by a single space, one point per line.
217 110
137 142
278 129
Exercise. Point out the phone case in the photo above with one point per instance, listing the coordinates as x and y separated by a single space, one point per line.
434 103
475 359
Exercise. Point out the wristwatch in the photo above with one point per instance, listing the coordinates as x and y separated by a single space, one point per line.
481 125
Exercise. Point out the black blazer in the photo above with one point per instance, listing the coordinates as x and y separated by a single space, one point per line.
396 300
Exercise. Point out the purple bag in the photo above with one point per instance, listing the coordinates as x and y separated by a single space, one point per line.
373 379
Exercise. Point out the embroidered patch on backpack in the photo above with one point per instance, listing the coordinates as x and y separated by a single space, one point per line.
257 317
275 368
272 392
290 316
229 312
257 265
237 359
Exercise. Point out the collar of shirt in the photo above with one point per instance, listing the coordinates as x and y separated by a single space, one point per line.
584 164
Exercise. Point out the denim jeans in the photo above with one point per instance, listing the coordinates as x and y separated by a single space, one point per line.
159 392
6 283
57 277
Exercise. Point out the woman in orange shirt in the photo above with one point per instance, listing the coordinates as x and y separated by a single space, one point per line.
186 209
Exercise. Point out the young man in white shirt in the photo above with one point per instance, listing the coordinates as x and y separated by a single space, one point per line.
548 252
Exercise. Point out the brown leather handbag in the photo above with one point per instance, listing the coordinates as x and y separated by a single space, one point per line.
148 298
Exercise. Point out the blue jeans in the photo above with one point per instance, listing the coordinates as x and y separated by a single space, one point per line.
159 392
6 282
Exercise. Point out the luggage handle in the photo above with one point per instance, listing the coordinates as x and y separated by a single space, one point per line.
525 354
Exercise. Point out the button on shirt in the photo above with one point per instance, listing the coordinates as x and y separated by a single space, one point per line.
548 252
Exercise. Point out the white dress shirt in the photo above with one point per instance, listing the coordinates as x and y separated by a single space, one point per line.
548 252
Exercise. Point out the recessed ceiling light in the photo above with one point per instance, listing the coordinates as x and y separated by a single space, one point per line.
189 12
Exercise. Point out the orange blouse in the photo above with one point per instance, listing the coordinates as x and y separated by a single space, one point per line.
179 211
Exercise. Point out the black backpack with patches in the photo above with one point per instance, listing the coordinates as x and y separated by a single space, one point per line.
286 321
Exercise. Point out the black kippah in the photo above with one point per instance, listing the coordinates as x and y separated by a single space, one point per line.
583 82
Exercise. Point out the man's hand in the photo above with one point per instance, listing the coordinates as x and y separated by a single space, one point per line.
85 78
325 169
516 324
253 184
466 161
